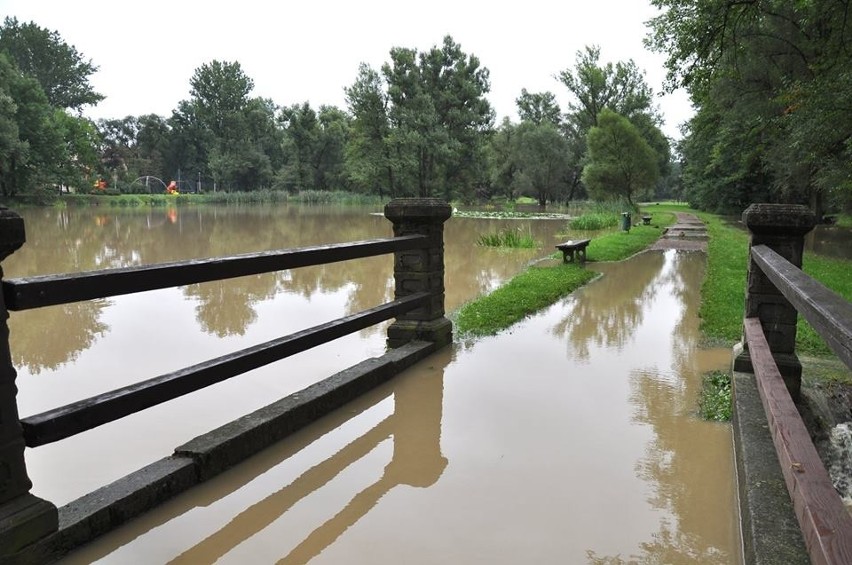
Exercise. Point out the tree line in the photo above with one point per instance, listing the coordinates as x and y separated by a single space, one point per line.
771 81
420 125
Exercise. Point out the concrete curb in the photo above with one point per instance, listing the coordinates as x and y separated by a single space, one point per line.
770 530
204 457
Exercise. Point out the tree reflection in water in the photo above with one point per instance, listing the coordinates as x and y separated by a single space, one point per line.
607 317
683 460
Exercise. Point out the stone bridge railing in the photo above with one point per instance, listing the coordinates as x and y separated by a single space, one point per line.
777 292
33 530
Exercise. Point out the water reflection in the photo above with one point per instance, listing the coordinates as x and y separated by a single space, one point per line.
34 350
681 463
74 240
831 241
570 438
608 316
413 426
92 347
519 452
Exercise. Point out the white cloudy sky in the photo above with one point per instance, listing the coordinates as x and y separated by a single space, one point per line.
147 50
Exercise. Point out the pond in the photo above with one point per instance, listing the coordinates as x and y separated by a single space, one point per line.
570 437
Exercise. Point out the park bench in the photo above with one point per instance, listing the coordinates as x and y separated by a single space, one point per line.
569 247
646 220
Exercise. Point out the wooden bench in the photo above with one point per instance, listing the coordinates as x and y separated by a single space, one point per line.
646 220
569 247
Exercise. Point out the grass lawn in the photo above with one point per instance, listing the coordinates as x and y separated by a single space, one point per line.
723 291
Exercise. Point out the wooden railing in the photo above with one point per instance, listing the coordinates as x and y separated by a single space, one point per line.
418 307
777 292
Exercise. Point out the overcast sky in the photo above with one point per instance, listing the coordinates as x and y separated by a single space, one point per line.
310 50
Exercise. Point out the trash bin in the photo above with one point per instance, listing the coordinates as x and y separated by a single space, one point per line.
625 221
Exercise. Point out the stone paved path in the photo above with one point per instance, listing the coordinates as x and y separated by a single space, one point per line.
688 233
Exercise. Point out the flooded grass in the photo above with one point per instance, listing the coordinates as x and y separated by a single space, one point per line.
524 294
621 245
723 290
714 404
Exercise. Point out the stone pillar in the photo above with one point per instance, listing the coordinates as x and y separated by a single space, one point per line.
420 270
782 228
24 518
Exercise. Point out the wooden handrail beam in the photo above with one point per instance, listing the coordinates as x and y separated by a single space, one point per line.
89 413
827 312
825 523
50 290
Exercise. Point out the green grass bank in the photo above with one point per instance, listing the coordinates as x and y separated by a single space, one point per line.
543 284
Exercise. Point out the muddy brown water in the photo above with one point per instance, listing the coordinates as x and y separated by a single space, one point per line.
571 437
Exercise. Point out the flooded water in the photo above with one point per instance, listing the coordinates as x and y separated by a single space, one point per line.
571 437
830 240
66 353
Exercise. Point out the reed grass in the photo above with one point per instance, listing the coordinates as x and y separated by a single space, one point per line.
508 238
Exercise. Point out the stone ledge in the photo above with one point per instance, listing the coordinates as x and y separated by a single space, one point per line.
770 530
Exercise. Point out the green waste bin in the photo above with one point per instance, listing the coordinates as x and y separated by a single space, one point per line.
625 221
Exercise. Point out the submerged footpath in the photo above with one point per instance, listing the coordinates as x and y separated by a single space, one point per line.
688 234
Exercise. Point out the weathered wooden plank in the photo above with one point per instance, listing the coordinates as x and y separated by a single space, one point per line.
86 414
49 290
825 523
826 311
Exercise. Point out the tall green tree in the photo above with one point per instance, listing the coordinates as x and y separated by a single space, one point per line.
32 149
541 157
783 68
620 88
538 108
621 163
301 129
501 160
314 145
220 91
369 162
190 142
439 115
235 127
59 68
595 86
81 157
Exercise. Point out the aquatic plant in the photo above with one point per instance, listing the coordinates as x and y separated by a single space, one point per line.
715 400
508 238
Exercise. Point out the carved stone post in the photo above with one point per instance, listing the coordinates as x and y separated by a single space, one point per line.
24 518
420 270
782 228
